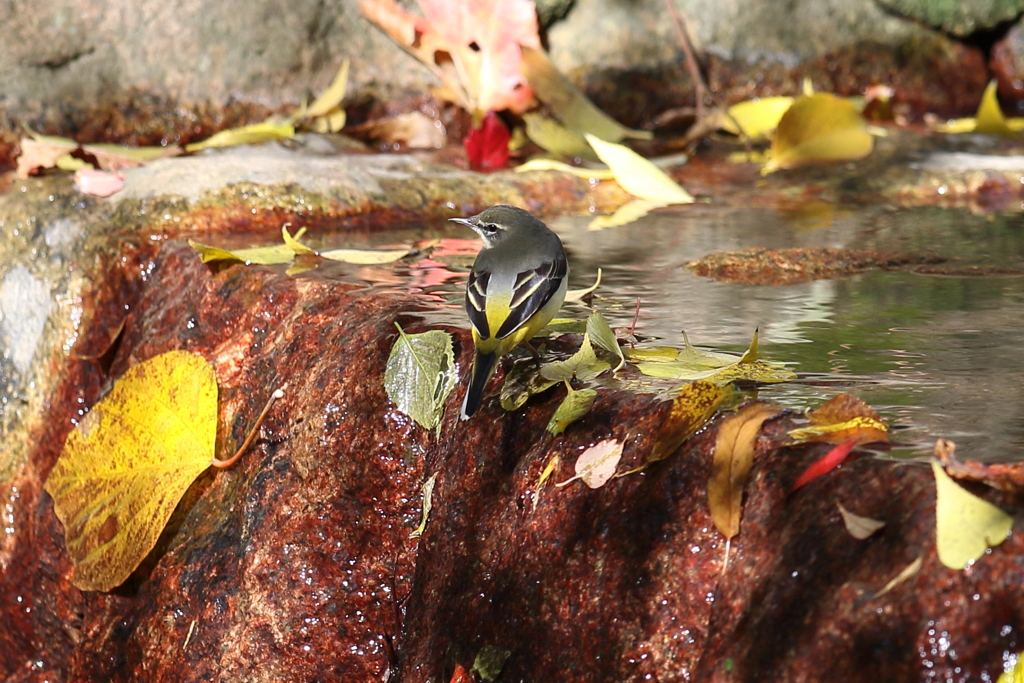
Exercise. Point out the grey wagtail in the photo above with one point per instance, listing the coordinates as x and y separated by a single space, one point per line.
517 284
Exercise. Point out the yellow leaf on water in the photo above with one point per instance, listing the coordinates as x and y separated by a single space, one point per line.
578 294
819 128
247 135
263 256
129 461
756 118
965 525
637 175
293 243
733 456
597 464
990 119
365 257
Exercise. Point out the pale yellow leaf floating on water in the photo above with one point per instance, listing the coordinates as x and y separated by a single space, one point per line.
261 256
265 131
293 243
129 461
365 257
597 464
756 118
816 129
578 294
553 165
965 525
637 175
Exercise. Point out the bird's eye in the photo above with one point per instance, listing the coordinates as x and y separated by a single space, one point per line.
490 228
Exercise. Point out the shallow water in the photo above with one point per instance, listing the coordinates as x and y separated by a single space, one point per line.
937 356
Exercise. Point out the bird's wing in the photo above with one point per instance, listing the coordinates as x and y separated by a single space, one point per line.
476 302
532 290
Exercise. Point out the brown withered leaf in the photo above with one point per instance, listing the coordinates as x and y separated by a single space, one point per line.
690 410
840 419
1002 476
859 527
733 455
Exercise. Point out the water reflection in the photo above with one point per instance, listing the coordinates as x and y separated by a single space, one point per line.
936 355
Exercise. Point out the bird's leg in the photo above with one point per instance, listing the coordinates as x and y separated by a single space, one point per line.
533 352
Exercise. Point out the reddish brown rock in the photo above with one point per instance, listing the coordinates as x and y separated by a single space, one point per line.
297 564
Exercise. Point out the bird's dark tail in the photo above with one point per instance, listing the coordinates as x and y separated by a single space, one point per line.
483 366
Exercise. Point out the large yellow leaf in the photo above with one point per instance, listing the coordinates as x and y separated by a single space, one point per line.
965 525
819 128
256 133
570 105
637 175
756 118
734 454
128 463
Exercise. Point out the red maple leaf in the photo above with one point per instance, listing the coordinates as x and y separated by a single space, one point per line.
487 146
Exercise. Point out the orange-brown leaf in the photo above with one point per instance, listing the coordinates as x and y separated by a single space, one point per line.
734 453
842 418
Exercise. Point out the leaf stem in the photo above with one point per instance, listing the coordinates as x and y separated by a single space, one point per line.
221 464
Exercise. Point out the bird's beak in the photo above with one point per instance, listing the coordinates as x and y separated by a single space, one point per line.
468 222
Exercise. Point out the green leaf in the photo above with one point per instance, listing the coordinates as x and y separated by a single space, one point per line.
599 330
246 135
575 405
420 374
555 138
522 382
584 365
637 175
278 253
489 662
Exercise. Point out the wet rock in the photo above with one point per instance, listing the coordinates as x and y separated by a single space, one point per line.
958 18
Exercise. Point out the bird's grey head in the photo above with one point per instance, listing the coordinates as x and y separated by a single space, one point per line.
496 223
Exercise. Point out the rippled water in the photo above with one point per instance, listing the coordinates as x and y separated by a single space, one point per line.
935 355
